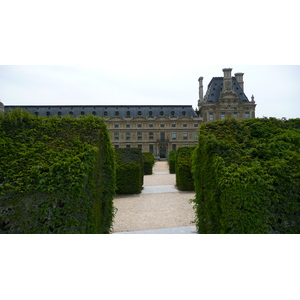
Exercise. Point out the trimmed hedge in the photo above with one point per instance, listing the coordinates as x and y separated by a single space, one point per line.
129 170
184 177
148 162
247 176
57 175
172 161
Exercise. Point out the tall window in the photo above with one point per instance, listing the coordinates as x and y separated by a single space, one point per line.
139 125
151 125
222 115
151 135
185 135
184 125
128 135
116 125
162 124
173 124
211 116
128 125
195 135
140 135
235 115
116 135
151 148
174 147
247 115
173 135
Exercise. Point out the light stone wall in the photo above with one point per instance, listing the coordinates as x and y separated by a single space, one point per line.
186 129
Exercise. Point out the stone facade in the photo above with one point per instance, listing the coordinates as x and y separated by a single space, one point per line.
162 128
224 98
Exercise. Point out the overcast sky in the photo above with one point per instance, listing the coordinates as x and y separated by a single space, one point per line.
275 88
147 52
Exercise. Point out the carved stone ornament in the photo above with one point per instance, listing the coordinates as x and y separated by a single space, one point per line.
228 85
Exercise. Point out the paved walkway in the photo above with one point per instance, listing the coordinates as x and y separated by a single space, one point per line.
159 209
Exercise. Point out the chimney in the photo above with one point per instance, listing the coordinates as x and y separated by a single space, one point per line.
200 90
239 79
227 82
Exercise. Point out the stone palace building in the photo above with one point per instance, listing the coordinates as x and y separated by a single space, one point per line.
162 128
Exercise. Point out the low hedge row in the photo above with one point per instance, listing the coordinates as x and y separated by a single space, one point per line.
172 161
148 159
247 176
57 175
129 170
184 176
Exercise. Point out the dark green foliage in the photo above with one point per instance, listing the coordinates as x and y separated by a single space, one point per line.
148 162
57 174
172 161
247 176
129 170
184 177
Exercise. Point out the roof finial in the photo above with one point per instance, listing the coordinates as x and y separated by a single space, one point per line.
252 98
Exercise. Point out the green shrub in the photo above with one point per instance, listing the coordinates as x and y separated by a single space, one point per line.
184 177
247 176
172 161
148 162
57 175
129 170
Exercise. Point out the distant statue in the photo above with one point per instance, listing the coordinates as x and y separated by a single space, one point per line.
252 98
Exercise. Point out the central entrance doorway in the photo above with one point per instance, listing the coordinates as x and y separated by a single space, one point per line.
162 151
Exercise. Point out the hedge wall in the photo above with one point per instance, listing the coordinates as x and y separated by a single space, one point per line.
57 175
129 170
148 159
184 177
172 161
247 176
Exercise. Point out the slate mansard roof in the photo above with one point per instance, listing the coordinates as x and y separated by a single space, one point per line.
215 88
109 111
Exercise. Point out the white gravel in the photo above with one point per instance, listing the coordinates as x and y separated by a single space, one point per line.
162 208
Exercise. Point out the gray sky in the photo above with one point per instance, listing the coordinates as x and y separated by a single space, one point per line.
138 52
275 88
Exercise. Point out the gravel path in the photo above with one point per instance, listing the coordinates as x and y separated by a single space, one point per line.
160 205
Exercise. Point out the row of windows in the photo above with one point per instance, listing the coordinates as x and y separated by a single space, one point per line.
151 135
117 113
151 147
223 115
105 113
150 113
162 125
